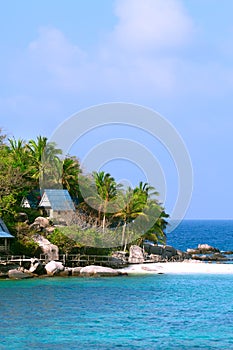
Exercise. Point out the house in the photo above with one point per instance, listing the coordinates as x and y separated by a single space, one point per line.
57 203
5 237
31 200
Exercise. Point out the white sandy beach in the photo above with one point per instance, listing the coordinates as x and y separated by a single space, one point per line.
186 267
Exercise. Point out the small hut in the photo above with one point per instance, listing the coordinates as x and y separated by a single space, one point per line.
31 200
56 203
5 237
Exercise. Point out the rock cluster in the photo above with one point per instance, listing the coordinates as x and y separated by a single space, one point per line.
56 268
155 253
205 252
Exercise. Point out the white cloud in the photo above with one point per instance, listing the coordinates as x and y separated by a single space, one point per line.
152 24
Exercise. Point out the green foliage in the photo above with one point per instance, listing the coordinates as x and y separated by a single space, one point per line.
64 243
23 242
108 213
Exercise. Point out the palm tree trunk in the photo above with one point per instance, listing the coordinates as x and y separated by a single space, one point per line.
123 234
104 220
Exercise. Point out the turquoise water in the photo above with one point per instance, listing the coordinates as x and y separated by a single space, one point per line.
134 312
143 312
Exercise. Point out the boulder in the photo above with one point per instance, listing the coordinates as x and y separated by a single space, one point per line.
169 252
156 258
94 270
19 274
36 267
119 256
42 222
75 271
54 268
192 251
65 273
136 255
206 248
47 248
155 249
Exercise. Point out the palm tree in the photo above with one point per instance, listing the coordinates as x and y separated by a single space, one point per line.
132 206
107 192
18 152
45 163
70 171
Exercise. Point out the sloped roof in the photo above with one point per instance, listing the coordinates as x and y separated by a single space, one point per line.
31 200
4 234
57 200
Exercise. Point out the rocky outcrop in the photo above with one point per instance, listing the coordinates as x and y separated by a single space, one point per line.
40 223
136 255
5 267
54 268
118 259
203 249
205 252
47 248
19 273
169 252
36 267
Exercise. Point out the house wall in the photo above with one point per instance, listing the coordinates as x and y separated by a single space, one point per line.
4 244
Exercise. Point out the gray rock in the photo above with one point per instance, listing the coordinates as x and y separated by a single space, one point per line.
54 267
192 251
64 273
120 255
136 255
18 274
94 270
42 222
75 271
36 267
205 248
155 249
47 248
156 258
169 252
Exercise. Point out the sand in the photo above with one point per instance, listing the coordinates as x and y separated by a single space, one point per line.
186 267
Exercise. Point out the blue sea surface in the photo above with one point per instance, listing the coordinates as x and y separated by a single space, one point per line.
190 233
129 312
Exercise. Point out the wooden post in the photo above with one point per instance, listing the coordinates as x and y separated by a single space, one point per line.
6 248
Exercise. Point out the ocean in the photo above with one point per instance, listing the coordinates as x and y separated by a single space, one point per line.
127 312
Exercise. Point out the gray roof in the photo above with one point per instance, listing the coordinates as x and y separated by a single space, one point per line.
57 200
5 235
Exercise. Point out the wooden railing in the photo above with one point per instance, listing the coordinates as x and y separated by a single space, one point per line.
70 260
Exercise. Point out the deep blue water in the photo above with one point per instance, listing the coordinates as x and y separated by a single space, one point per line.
134 312
190 233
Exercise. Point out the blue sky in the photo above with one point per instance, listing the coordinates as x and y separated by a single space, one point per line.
173 56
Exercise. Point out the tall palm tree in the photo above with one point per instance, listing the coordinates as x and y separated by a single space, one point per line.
45 162
70 172
107 191
132 205
18 152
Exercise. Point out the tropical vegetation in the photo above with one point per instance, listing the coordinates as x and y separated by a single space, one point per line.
105 210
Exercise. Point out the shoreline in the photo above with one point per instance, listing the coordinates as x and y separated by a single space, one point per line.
184 267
